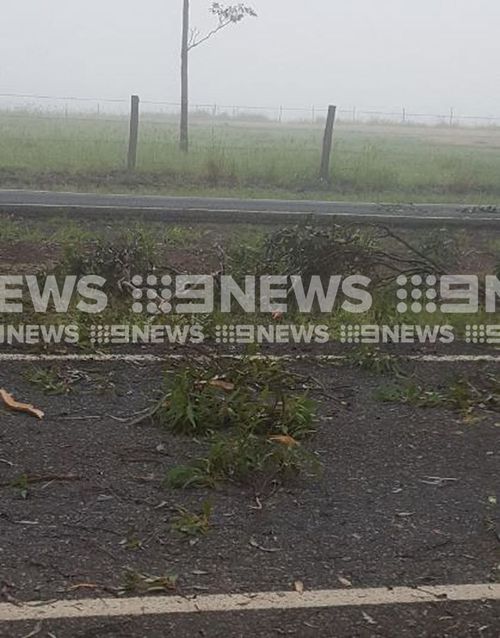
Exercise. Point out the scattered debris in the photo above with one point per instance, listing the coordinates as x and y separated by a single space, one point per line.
368 618
438 481
82 586
35 632
192 524
131 542
344 581
269 550
14 405
258 504
284 439
5 589
137 583
220 383
46 478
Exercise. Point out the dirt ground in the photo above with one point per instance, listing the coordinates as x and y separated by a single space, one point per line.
376 515
37 246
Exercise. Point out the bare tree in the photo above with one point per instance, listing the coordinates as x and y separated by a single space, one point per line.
192 38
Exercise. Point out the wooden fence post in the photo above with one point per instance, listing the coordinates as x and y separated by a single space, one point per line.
134 133
327 143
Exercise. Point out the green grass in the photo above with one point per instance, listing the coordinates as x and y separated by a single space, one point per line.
63 231
375 162
191 523
465 394
251 415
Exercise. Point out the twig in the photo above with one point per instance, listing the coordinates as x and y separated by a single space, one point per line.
411 248
35 632
150 412
45 479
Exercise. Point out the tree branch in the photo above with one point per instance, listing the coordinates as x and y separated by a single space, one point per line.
196 43
231 14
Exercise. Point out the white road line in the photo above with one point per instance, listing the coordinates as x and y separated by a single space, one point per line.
92 608
153 358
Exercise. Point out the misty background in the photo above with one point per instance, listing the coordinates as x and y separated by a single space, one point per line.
428 55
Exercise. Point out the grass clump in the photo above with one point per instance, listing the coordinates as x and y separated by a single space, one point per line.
242 457
463 394
50 381
411 394
193 524
253 395
251 416
374 360
135 582
21 485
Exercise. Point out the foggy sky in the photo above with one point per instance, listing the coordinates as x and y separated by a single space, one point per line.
427 55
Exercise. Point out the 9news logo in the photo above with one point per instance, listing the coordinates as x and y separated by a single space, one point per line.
448 294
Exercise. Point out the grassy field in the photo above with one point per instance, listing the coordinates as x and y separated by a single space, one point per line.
377 162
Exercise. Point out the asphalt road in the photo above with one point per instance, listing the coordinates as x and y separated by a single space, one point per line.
201 209
404 499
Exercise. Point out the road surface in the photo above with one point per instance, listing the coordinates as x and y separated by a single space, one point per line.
202 209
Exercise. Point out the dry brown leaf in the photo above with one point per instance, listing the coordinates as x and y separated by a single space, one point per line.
12 404
299 586
227 386
284 439
277 315
217 382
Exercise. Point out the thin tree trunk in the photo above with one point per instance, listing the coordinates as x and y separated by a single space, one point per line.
184 139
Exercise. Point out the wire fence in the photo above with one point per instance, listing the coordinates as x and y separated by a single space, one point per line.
244 143
14 105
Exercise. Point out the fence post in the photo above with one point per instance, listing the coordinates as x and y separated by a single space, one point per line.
452 115
327 143
134 133
404 115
